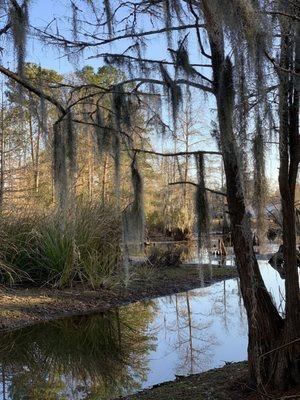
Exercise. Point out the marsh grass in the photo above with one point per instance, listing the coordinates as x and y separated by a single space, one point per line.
34 247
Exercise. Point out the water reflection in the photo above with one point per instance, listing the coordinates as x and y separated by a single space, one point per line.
119 352
78 358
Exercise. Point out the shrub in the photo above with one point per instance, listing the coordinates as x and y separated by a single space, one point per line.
165 257
36 248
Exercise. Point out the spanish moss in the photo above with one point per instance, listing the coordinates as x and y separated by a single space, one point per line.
101 133
173 92
74 20
133 215
19 23
109 17
260 186
64 162
201 202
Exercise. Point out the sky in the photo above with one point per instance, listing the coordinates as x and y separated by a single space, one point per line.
44 11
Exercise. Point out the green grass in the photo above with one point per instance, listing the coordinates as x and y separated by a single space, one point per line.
35 248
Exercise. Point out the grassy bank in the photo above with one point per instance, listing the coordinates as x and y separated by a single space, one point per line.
20 306
51 267
39 248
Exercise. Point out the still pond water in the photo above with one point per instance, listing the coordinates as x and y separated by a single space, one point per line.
133 347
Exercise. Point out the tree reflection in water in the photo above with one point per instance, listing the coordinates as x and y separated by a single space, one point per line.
193 341
227 311
86 357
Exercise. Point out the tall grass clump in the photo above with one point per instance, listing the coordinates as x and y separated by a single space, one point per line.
35 247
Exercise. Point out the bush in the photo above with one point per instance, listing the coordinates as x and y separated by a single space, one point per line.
35 247
165 257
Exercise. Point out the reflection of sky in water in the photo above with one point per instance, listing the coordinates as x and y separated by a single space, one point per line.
202 339
215 332
191 332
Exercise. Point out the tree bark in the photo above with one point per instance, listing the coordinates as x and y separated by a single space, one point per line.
288 357
265 325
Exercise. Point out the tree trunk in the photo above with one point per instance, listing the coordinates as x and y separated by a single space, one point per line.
264 322
288 363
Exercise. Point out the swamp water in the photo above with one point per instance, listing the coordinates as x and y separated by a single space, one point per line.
103 356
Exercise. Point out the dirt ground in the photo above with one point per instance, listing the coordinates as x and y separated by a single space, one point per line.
227 383
24 306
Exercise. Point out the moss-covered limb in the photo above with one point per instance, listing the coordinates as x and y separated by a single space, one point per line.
217 384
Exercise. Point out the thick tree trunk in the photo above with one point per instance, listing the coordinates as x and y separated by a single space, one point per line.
264 323
288 363
265 326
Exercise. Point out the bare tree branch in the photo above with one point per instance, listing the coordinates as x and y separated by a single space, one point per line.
195 184
180 153
83 44
147 60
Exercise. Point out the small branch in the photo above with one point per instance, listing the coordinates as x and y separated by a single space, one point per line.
83 44
180 153
284 15
198 33
195 184
178 82
183 183
280 347
146 60
279 68
5 28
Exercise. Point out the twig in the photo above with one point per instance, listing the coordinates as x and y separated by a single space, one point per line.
195 184
180 153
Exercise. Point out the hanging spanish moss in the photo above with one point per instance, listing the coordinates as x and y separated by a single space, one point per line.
60 175
109 16
19 24
167 19
201 203
71 151
242 98
118 100
122 111
116 150
227 143
182 61
242 17
43 113
174 94
176 6
260 185
64 163
242 110
101 134
133 215
74 20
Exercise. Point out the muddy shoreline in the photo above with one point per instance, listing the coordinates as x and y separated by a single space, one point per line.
21 307
229 382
